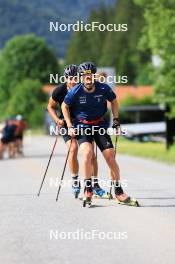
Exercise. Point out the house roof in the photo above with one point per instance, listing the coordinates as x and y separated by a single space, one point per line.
48 88
123 92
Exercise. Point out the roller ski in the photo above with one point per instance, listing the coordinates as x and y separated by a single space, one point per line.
98 192
87 200
76 187
88 193
123 199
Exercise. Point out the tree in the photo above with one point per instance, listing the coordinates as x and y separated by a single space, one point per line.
78 49
121 48
26 57
115 49
159 37
29 101
87 45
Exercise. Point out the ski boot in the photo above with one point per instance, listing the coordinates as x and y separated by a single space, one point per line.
76 186
100 193
88 193
123 199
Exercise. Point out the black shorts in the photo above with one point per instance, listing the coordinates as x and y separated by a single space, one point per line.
7 140
102 141
19 137
64 133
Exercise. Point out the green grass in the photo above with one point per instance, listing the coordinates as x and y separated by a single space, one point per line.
150 150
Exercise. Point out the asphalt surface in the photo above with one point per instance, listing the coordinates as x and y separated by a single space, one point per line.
39 230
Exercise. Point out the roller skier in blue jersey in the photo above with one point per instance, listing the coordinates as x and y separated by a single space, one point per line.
88 103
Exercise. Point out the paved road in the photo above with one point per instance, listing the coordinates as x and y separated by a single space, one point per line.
36 230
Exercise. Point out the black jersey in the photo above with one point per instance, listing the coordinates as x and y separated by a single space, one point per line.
59 93
58 96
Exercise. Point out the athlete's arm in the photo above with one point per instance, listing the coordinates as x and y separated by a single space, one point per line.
66 114
51 107
115 108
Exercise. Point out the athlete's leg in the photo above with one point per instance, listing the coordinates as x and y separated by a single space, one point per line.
11 149
94 163
72 160
109 156
105 144
74 166
85 142
2 148
87 151
97 190
19 146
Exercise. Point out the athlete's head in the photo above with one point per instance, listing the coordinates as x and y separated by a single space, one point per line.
87 71
19 117
70 74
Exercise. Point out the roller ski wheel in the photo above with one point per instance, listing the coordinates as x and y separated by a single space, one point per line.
87 200
129 202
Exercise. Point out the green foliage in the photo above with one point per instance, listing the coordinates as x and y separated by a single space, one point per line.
28 100
88 45
36 118
115 49
160 38
26 57
131 100
146 74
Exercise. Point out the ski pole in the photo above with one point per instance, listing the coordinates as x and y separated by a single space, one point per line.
59 188
115 150
115 147
48 164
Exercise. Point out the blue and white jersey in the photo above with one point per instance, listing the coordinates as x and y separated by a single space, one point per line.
89 106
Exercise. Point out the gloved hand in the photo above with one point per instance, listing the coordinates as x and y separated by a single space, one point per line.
116 123
60 122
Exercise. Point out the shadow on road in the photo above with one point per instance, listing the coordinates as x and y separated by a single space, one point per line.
24 194
154 205
157 198
95 206
40 156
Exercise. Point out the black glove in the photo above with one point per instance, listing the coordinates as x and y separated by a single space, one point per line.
116 123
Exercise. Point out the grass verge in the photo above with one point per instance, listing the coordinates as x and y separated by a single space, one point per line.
150 150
